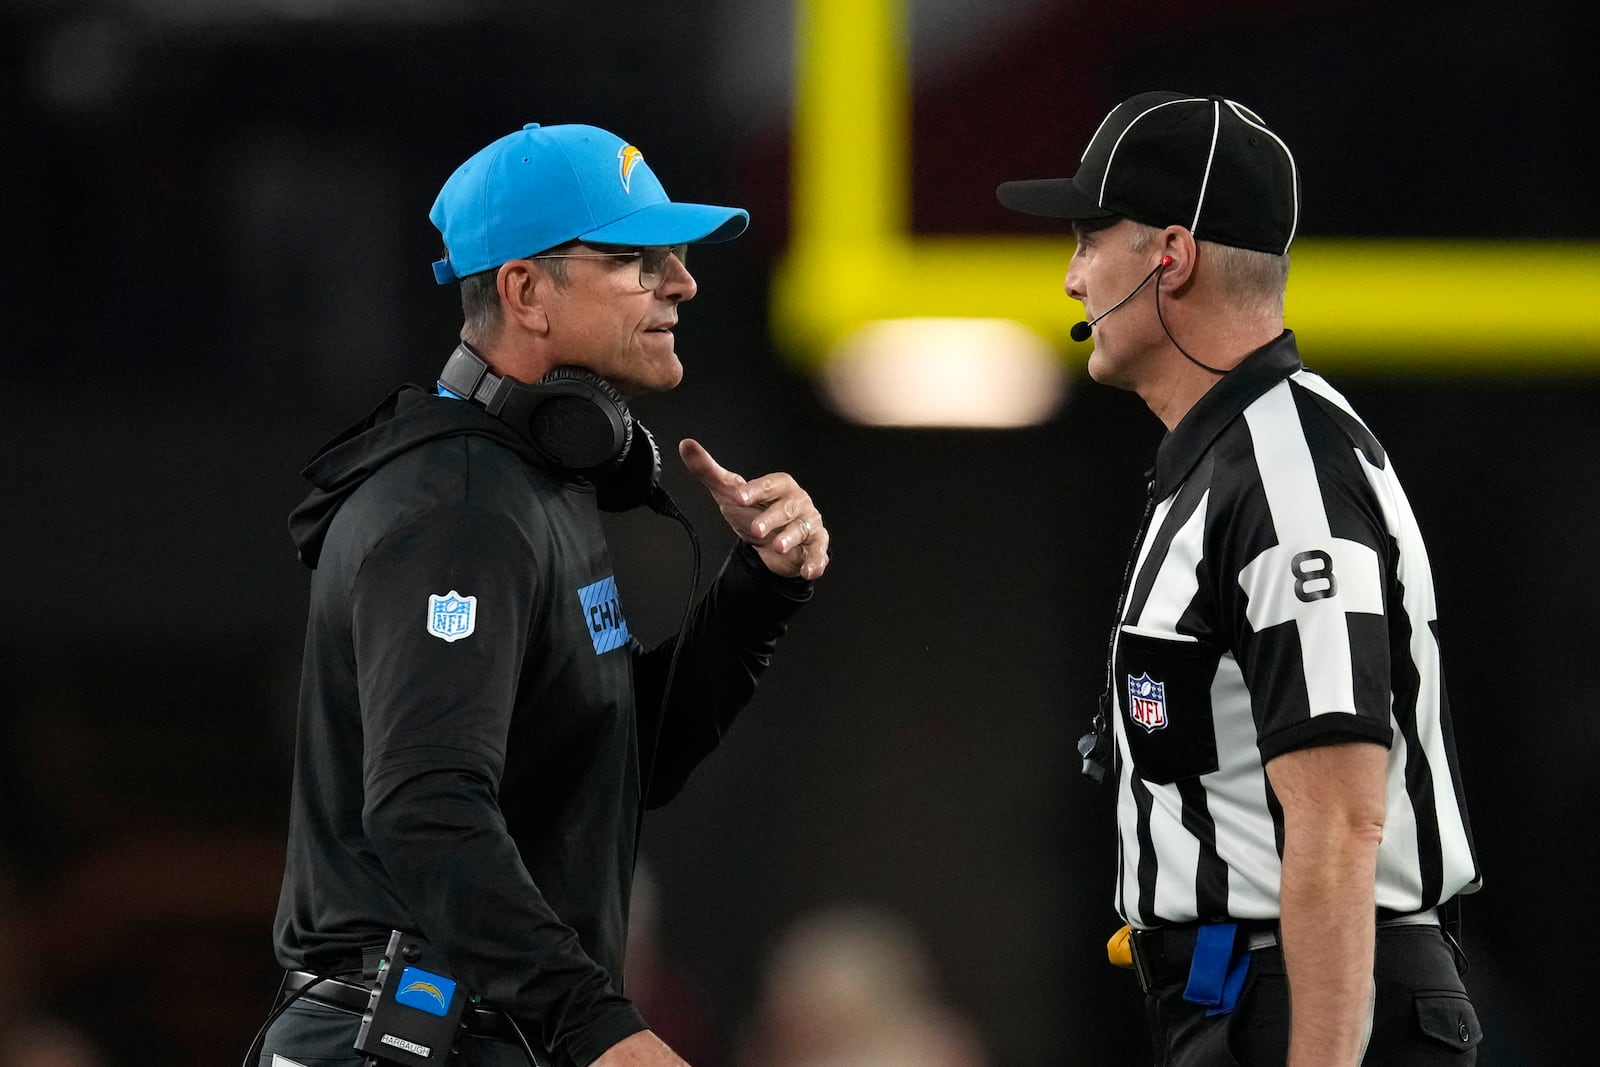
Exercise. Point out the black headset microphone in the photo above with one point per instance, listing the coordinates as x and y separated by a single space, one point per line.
1082 331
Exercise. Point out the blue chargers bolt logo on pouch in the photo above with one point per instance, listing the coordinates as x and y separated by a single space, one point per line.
1147 702
425 991
602 615
452 616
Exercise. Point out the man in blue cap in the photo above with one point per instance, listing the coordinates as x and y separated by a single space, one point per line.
479 732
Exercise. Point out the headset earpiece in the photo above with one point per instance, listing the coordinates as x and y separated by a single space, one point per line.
1166 261
574 419
579 421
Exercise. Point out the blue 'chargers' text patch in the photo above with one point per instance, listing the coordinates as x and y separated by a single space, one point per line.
602 614
425 991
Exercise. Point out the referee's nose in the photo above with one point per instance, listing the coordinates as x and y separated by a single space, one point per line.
1074 279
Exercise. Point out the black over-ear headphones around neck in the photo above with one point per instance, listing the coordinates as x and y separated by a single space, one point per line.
575 421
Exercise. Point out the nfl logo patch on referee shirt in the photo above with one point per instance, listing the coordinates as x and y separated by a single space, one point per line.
1147 702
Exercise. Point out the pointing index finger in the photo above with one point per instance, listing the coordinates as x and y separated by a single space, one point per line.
706 469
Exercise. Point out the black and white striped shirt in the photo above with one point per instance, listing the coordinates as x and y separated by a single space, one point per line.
1281 596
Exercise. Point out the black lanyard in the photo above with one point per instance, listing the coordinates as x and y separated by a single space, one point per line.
1095 746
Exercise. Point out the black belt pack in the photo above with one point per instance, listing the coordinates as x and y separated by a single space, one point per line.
412 1012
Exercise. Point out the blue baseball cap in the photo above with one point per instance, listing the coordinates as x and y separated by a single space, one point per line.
546 185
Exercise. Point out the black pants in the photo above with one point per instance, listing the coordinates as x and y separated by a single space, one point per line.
1421 1016
318 1035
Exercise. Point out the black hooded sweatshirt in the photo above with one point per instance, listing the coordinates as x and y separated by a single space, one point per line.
474 716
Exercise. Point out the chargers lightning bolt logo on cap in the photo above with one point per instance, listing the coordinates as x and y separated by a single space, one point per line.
628 157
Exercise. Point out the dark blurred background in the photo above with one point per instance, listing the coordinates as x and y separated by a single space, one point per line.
216 254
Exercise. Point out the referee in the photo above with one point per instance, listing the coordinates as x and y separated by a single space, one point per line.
1290 813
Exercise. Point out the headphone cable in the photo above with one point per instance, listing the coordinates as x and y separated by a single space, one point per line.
1218 371
283 1006
661 502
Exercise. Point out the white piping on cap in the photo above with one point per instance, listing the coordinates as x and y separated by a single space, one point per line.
1250 118
1106 177
1211 156
1097 130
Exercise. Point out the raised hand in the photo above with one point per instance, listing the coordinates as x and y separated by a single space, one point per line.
772 513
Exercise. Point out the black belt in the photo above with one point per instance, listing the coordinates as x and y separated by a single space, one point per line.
353 997
1163 954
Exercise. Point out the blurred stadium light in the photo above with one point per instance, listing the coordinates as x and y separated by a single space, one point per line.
1409 306
944 372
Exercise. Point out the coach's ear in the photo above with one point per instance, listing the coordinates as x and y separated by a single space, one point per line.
523 287
1177 245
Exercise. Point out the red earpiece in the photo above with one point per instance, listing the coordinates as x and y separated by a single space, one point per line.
1166 261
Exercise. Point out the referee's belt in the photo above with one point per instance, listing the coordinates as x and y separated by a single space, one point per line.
352 996
1164 954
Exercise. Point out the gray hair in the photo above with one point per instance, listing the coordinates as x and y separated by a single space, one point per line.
480 299
1251 282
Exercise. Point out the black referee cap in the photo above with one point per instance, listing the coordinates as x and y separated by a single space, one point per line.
1164 159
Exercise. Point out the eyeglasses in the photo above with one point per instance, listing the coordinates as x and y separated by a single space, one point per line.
652 261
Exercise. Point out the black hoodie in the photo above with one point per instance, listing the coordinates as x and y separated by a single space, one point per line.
474 714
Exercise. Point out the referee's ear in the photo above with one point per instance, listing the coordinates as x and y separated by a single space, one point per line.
1178 244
